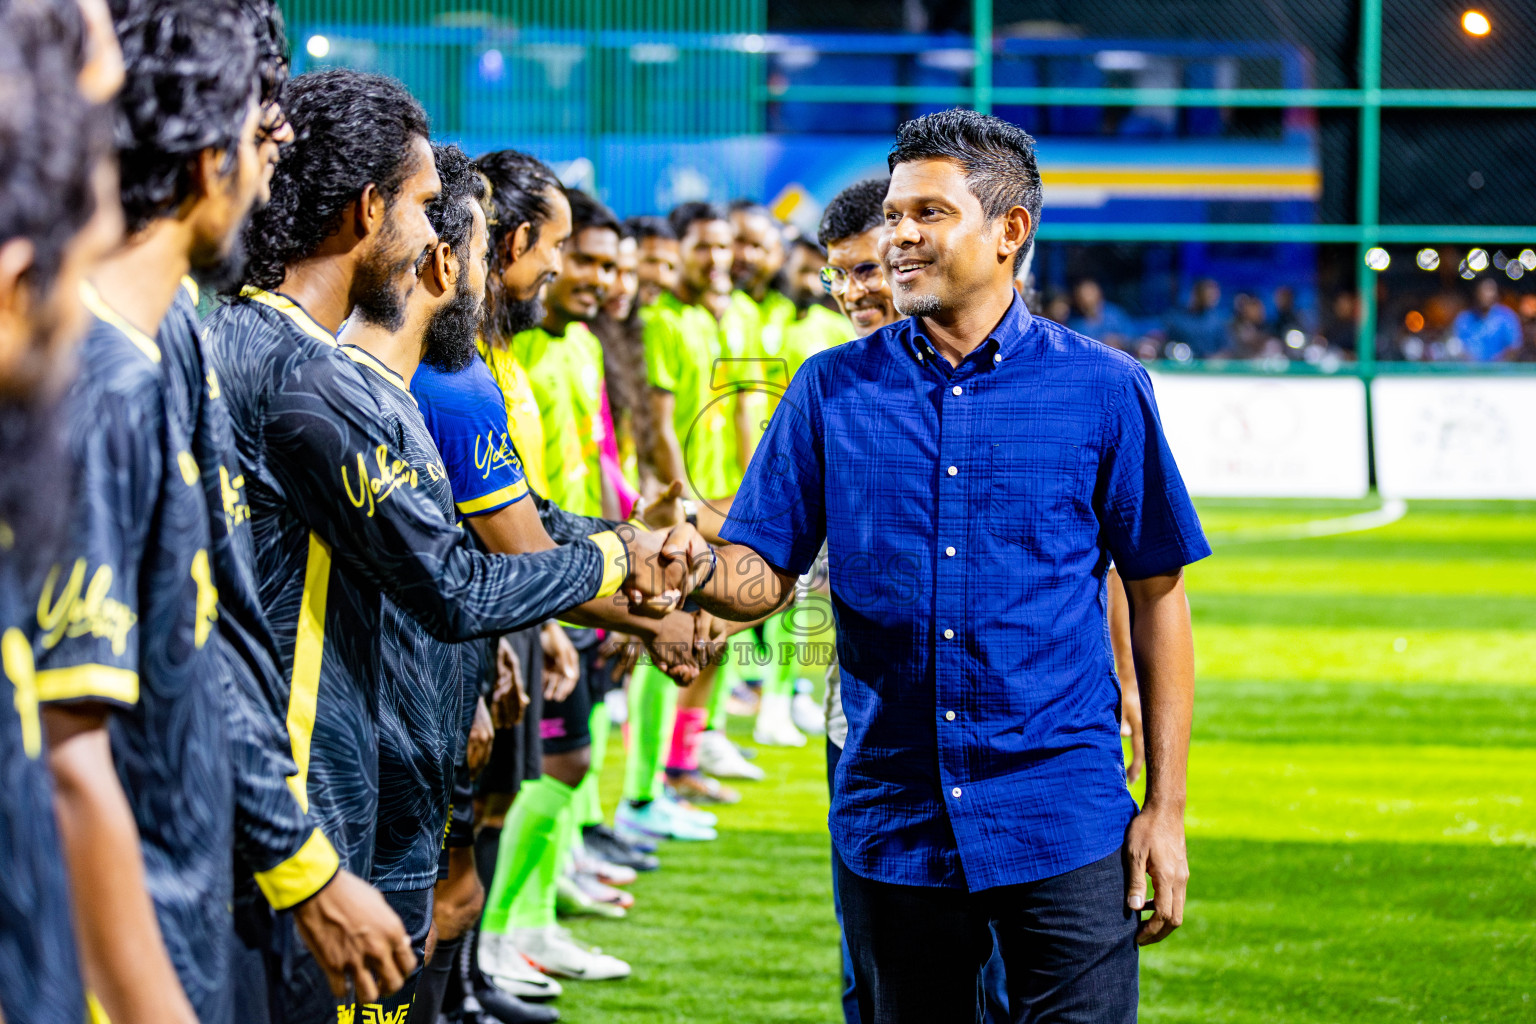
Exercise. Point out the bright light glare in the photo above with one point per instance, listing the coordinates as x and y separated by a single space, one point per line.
1414 321
1377 259
1514 270
318 46
1475 23
1477 261
1295 339
1528 259
1428 259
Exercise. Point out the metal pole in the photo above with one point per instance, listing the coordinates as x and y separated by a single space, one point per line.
1368 180
981 78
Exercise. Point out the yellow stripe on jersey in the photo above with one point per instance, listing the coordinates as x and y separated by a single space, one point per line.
190 287
82 682
101 311
308 649
302 875
94 1011
509 493
16 656
363 357
291 310
615 562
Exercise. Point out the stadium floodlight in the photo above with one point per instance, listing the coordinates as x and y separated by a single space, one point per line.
1475 23
1528 259
1377 259
318 47
1477 261
1428 259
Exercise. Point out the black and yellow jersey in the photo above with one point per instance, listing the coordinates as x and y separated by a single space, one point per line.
340 519
421 689
276 841
127 617
37 940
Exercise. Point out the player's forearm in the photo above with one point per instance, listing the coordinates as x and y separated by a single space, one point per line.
1163 644
479 595
743 586
122 952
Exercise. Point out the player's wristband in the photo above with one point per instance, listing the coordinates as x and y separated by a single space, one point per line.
714 561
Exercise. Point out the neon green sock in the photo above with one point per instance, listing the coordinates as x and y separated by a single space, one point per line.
527 841
652 709
534 904
589 798
779 674
726 678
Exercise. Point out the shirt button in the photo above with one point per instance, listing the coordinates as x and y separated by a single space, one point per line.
950 552
997 358
956 389
955 792
949 716
953 471
949 634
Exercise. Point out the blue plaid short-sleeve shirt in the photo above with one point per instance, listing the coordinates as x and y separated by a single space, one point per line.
970 515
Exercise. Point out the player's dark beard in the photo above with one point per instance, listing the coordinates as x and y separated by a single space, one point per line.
225 273
376 294
449 342
508 315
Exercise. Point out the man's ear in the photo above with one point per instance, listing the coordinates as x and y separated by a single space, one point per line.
368 211
16 298
444 269
516 245
1016 225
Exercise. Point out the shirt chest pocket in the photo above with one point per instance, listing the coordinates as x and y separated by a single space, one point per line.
1038 491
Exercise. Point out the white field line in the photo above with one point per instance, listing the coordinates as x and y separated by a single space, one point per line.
1391 510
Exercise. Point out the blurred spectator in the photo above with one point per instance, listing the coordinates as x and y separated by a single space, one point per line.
1341 329
1248 333
1489 328
1057 308
1099 319
1526 353
1201 325
1288 318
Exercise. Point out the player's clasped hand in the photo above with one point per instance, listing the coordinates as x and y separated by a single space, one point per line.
1154 845
656 584
355 936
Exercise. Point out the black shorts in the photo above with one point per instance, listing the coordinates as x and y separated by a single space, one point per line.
567 724
461 816
299 992
516 752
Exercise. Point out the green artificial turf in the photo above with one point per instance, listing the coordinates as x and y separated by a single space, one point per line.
1362 806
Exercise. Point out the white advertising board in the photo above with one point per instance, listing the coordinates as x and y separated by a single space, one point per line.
1462 437
1270 437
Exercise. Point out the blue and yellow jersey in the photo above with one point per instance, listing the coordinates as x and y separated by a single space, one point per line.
421 689
466 415
37 939
128 617
277 843
341 519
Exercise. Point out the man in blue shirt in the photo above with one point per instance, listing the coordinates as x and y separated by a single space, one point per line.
1489 328
973 469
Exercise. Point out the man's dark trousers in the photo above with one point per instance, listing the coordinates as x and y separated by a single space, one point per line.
1068 945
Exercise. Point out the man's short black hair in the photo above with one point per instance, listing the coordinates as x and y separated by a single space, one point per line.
520 188
51 139
351 129
853 211
650 226
686 215
450 214
587 212
998 159
751 206
194 67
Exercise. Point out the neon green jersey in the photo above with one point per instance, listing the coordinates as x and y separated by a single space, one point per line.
566 374
817 331
681 349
